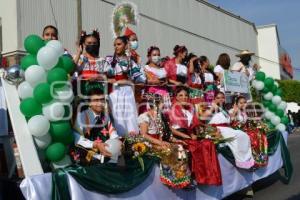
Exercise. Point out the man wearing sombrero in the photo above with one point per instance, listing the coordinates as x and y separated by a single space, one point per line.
243 65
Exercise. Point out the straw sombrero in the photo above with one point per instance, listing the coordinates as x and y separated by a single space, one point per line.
244 52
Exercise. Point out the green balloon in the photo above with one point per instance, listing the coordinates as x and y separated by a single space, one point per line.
30 107
273 89
68 63
33 43
285 120
269 82
270 125
279 113
55 152
278 92
27 61
69 139
267 103
57 75
265 90
260 76
272 107
60 131
42 93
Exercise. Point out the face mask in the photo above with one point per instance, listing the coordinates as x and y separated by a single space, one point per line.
155 59
92 49
134 45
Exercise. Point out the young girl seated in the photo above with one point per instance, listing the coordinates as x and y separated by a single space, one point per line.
259 143
95 128
153 125
240 144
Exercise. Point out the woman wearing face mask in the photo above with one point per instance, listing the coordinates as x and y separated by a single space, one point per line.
123 71
89 64
240 146
156 76
176 68
133 45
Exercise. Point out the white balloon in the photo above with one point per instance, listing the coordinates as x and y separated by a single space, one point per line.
25 90
282 105
54 111
276 83
281 127
268 96
276 100
253 83
275 120
43 142
47 57
57 45
64 94
259 85
35 74
268 114
114 146
38 125
66 161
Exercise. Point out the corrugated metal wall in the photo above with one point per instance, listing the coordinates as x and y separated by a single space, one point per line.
165 23
34 15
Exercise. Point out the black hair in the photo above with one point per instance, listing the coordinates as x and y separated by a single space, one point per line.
196 64
181 88
94 34
179 49
125 40
95 91
237 98
52 27
150 50
203 59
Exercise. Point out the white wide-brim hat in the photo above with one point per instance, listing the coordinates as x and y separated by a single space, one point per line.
244 53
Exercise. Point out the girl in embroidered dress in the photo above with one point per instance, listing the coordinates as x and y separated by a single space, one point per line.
176 68
156 77
259 142
89 64
123 72
240 145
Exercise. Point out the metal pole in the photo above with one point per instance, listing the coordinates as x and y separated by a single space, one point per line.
79 18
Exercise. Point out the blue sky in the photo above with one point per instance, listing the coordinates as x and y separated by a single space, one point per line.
284 13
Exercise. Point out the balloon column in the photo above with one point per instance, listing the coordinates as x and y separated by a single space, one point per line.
274 106
46 95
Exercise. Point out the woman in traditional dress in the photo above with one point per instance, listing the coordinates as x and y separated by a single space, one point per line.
123 73
259 142
184 124
176 67
156 77
240 144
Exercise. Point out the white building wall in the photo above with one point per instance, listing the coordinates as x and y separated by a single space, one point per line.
268 49
203 28
9 22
